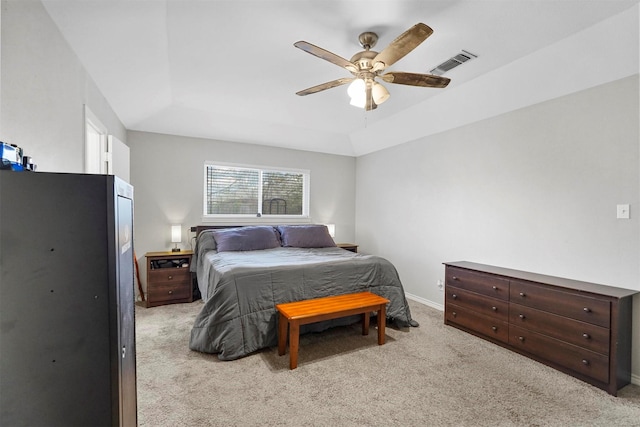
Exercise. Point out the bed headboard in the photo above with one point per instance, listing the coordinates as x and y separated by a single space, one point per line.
200 228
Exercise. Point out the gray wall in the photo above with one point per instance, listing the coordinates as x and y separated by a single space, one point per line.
43 91
167 173
534 189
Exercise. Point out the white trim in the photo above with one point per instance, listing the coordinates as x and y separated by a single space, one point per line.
424 301
92 120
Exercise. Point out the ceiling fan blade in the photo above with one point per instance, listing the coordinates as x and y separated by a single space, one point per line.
325 86
403 44
326 55
413 79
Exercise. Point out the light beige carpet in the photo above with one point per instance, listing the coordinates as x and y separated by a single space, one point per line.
433 375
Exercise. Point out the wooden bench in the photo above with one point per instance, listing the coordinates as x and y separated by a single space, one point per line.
295 314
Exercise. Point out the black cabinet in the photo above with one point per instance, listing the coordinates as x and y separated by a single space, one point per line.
67 332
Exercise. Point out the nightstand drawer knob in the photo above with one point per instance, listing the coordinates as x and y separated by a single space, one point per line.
494 328
454 314
587 336
454 296
170 292
455 277
521 316
494 308
585 362
521 339
522 294
587 310
495 288
170 277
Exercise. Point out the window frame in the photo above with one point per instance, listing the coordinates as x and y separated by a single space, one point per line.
258 217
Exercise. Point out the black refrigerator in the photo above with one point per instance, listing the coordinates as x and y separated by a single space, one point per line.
67 324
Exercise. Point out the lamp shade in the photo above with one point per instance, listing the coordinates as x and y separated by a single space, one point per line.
176 233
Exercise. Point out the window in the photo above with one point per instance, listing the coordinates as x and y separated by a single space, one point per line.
237 191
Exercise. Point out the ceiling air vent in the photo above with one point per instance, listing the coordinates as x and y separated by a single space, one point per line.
452 63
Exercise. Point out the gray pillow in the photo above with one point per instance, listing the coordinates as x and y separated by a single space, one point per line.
246 238
306 236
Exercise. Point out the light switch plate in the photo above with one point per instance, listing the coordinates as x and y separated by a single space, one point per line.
623 212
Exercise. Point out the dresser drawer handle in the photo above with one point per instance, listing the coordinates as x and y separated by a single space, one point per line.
521 316
585 362
494 328
521 339
494 308
454 314
495 288
170 277
587 336
455 277
170 292
587 310
454 296
522 294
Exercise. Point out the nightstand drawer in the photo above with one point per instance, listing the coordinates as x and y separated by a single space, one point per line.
170 275
169 292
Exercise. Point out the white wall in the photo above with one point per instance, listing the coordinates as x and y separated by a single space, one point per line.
43 90
167 173
535 189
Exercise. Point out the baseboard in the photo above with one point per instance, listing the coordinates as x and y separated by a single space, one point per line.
424 301
635 379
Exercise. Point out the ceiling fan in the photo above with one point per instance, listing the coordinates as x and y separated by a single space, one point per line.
367 65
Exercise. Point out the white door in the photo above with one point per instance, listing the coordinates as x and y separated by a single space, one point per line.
97 153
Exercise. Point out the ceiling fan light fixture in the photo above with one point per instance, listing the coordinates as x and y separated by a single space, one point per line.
356 89
379 93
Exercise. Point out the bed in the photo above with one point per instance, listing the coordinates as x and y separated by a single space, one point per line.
243 272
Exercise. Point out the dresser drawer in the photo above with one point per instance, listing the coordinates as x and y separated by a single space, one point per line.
578 359
168 292
482 283
575 306
484 325
169 275
582 334
492 307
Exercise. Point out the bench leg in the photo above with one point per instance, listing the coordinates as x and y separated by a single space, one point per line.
382 318
283 325
294 339
365 323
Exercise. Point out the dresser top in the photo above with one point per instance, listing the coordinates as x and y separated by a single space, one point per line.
549 280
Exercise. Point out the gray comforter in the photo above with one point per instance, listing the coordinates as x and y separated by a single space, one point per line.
241 289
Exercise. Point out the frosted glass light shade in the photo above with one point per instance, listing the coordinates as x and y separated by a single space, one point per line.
176 233
379 93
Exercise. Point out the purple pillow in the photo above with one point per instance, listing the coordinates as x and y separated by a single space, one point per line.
306 236
246 239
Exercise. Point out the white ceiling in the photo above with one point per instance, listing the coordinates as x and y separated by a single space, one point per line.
228 70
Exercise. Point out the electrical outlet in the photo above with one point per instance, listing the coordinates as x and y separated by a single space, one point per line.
440 285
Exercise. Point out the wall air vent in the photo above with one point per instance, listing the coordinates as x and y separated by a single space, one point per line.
452 63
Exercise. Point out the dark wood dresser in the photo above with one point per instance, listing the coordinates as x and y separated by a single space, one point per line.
580 328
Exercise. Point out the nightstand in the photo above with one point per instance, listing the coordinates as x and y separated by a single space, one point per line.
168 278
348 246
